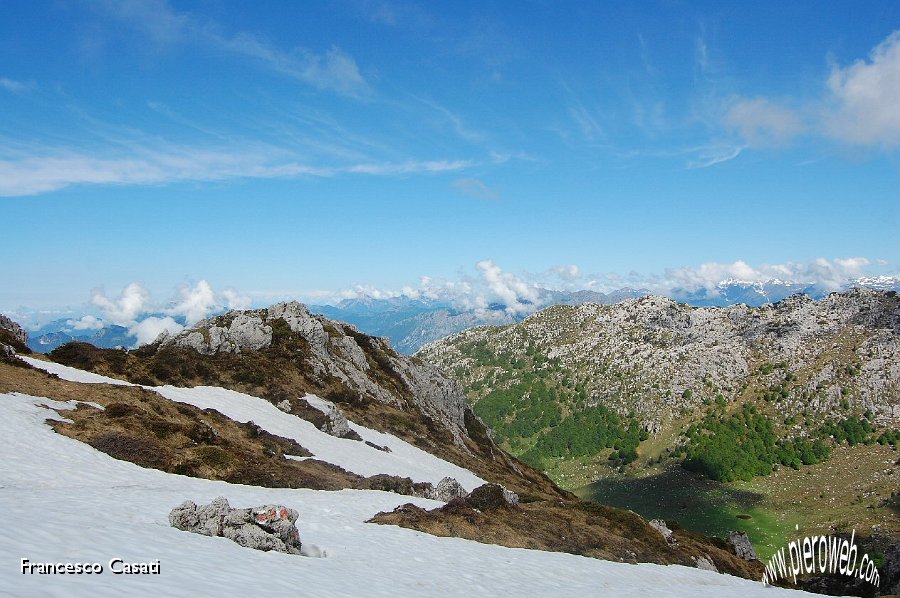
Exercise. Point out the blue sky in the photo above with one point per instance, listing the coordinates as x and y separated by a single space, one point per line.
309 149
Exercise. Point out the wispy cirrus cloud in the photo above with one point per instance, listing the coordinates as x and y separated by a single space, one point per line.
332 70
13 86
55 169
475 188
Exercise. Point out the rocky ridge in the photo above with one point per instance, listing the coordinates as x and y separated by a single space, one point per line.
662 360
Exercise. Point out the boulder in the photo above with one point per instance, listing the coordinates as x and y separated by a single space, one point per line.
268 527
660 526
447 489
491 496
742 546
285 406
705 562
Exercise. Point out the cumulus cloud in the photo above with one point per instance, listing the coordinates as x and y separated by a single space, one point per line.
148 329
858 106
132 302
87 322
517 295
135 309
195 303
866 94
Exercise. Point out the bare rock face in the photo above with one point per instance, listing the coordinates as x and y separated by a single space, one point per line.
13 338
269 527
18 333
742 546
660 526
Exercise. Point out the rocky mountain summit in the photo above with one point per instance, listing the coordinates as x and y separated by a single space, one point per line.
661 360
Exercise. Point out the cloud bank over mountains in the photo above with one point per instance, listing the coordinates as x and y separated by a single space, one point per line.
135 309
488 291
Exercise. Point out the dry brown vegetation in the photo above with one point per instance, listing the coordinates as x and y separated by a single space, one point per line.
142 427
584 528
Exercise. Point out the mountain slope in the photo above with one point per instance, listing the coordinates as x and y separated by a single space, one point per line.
112 509
284 352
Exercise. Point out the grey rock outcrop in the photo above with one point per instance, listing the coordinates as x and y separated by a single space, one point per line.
742 546
667 534
268 527
336 422
705 563
18 333
447 489
285 406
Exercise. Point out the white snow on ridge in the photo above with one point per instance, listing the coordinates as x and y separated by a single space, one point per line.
63 501
353 455
72 374
404 459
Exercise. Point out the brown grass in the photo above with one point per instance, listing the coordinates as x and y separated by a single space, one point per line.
583 528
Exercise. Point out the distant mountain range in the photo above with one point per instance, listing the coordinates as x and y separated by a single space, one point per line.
412 323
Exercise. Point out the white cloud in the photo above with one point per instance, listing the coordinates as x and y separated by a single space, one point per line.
131 309
858 107
195 303
517 295
124 311
762 122
58 168
87 322
234 300
830 274
148 329
867 94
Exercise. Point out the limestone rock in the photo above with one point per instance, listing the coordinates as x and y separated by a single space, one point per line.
447 489
18 333
660 526
705 563
336 422
742 546
269 527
